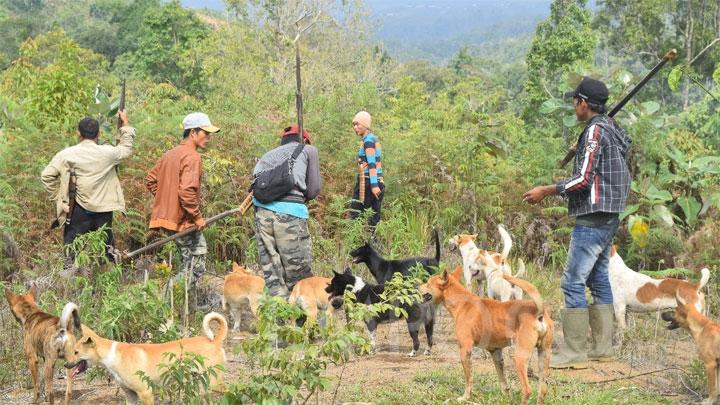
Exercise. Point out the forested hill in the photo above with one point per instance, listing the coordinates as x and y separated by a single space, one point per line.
436 29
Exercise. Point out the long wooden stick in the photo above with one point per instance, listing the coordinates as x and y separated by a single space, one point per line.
247 203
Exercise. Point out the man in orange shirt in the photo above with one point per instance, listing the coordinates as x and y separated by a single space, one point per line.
175 183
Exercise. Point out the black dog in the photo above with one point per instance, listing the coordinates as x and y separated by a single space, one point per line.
417 314
383 269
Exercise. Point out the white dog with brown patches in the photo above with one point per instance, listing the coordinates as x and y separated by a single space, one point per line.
637 292
488 265
125 360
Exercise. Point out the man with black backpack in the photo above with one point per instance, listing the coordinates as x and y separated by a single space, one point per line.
283 240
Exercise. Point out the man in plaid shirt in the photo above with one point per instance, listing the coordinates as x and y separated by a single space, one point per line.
597 192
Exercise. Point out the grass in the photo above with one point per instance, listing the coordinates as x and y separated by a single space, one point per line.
440 385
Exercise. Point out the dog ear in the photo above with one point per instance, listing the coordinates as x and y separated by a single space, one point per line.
473 236
444 277
88 341
33 291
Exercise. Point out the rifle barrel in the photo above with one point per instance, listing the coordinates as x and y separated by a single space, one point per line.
668 56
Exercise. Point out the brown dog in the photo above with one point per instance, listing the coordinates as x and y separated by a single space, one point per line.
241 286
493 325
310 295
46 336
706 334
124 360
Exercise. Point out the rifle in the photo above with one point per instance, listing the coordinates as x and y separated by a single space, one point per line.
247 202
72 193
670 55
122 103
298 81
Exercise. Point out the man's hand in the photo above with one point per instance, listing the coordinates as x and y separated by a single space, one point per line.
122 115
376 192
538 193
200 223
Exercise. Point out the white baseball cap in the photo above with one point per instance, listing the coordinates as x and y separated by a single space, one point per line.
199 120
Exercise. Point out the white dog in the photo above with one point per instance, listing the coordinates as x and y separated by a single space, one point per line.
488 265
637 292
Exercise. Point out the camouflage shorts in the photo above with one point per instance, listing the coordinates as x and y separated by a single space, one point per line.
284 250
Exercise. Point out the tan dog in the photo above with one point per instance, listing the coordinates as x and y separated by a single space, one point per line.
240 287
493 325
46 336
706 334
309 294
124 360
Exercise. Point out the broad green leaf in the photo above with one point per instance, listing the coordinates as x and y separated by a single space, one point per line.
662 215
650 107
550 106
708 164
691 208
630 209
653 194
570 121
674 77
716 75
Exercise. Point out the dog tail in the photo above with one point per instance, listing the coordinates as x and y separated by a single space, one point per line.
222 331
70 310
437 245
521 269
530 290
704 278
507 242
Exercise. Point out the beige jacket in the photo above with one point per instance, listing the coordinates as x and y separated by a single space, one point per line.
98 186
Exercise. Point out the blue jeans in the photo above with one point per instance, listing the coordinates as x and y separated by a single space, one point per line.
587 265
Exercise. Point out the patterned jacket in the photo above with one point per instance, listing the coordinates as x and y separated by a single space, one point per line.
601 179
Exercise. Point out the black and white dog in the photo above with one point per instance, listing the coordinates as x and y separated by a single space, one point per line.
418 314
383 269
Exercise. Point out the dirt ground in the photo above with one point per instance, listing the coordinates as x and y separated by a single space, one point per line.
390 363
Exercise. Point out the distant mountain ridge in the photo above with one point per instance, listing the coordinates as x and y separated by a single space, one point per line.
437 29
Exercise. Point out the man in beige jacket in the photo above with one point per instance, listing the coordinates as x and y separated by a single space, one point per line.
97 192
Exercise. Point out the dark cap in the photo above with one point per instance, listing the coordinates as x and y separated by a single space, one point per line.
293 130
591 90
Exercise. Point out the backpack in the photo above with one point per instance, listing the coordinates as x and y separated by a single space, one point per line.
271 185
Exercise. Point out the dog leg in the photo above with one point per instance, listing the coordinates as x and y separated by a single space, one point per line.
711 371
68 388
414 329
33 364
497 355
236 312
48 369
254 303
620 315
146 397
429 327
522 357
465 353
543 366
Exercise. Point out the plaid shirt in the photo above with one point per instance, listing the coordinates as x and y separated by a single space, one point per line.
601 179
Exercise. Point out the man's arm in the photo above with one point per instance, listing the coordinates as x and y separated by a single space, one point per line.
312 177
50 177
582 180
124 148
151 179
370 150
190 172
